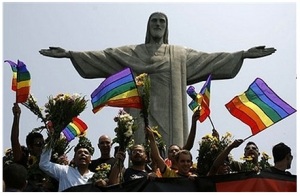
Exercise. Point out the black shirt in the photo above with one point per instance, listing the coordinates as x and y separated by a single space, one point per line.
132 174
277 171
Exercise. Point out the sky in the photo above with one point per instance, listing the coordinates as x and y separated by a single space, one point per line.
207 27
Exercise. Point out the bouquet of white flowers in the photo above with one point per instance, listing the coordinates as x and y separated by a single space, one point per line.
124 131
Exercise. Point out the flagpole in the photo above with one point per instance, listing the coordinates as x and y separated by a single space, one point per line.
211 122
248 137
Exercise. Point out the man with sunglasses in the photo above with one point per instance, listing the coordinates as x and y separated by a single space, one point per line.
137 170
251 154
22 155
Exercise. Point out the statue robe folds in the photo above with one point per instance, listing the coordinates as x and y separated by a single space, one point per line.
171 68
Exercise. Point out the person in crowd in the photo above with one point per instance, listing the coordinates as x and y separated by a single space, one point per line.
104 145
34 140
15 177
171 68
251 155
174 148
183 159
137 170
66 175
29 156
282 159
105 160
223 169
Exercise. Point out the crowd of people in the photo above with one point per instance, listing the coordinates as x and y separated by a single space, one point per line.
49 176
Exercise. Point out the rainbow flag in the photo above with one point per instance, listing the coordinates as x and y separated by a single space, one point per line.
118 90
259 107
20 80
75 128
201 99
197 98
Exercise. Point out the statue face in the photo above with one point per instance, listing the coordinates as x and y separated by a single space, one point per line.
157 26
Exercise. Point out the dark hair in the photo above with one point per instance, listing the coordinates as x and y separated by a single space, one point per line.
183 152
280 151
166 35
251 143
84 143
175 145
31 137
15 176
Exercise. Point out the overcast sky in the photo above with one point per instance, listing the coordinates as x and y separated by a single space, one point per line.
208 27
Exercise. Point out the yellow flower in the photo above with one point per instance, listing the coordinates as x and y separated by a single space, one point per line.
265 156
98 168
248 158
155 131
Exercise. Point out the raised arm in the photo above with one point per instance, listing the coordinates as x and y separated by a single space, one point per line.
222 156
191 138
14 137
52 169
55 52
258 51
118 167
154 150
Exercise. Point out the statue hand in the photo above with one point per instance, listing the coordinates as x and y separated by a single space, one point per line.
55 52
258 51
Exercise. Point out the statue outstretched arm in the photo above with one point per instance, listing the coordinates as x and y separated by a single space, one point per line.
55 52
258 51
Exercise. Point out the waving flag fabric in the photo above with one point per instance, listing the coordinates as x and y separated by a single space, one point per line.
205 92
118 90
201 99
197 98
259 107
20 81
75 128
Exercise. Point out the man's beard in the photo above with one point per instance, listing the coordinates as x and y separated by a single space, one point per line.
138 162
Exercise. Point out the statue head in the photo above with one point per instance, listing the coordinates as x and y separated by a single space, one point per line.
150 34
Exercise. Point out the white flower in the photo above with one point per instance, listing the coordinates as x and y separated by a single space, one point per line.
75 96
128 133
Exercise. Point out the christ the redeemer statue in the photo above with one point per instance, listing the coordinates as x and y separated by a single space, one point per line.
170 67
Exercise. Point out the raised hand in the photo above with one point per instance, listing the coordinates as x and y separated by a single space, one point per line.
236 143
16 110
